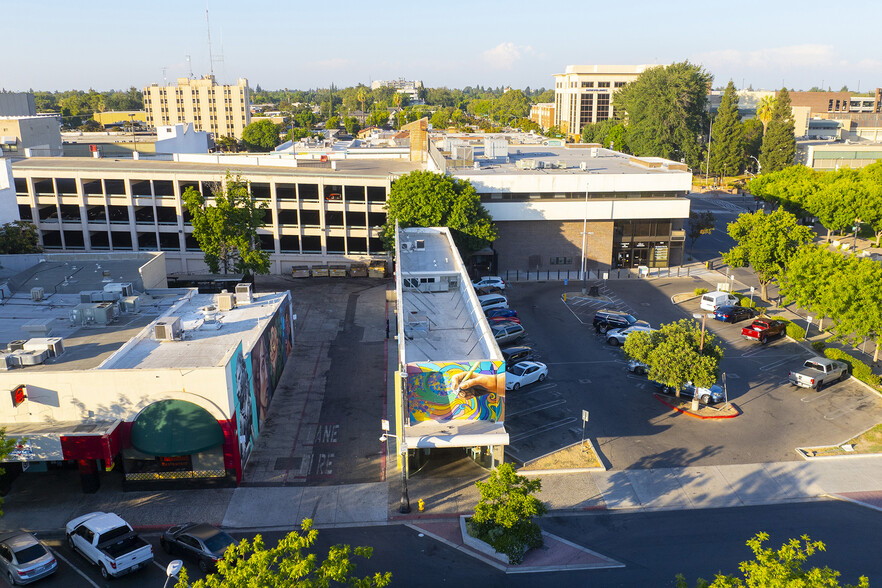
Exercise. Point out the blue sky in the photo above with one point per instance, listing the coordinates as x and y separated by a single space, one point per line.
55 45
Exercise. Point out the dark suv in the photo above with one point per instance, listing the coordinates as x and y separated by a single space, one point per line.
606 319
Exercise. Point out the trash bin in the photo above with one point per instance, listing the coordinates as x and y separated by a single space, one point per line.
709 264
594 291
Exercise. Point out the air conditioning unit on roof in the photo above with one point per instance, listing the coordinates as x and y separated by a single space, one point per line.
37 294
168 329
226 301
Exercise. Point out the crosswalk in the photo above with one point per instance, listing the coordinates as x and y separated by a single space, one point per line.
724 204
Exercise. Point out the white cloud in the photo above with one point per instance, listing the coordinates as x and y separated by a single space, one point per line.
505 55
793 56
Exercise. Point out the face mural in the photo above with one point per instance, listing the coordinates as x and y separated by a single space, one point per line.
268 357
243 401
444 391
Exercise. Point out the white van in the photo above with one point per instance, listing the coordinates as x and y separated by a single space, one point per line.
490 301
714 300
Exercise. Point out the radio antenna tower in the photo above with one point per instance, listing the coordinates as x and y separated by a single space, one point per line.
211 57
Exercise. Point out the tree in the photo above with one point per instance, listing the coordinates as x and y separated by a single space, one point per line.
870 206
674 354
19 237
764 111
7 444
261 136
361 96
779 142
666 111
504 517
91 126
813 280
765 243
350 123
700 223
837 200
227 231
332 123
779 568
753 139
440 119
398 98
227 144
726 154
289 563
427 199
791 187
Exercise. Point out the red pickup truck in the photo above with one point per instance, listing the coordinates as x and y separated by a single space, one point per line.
763 328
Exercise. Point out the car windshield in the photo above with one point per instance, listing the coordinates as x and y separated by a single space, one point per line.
517 370
219 542
29 554
631 320
114 534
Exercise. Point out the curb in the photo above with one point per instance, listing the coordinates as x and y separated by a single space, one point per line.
693 415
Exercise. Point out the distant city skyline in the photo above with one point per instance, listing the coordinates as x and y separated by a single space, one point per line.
105 45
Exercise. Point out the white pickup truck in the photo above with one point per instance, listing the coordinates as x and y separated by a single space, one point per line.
108 542
816 372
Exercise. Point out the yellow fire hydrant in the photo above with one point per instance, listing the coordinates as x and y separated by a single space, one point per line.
422 504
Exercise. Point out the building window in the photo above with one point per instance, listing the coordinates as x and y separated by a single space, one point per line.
587 84
602 107
586 109
603 84
620 84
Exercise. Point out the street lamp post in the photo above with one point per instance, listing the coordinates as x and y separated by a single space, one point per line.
703 316
172 570
759 168
584 238
404 508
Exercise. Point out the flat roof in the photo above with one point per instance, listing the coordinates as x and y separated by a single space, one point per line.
566 160
456 327
203 345
345 167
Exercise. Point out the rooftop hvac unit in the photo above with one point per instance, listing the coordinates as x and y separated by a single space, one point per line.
168 329
37 294
131 304
103 313
89 296
244 294
5 362
583 166
226 301
16 345
32 357
122 288
594 152
54 345
561 164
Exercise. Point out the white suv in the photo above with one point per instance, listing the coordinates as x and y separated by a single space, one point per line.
617 337
490 282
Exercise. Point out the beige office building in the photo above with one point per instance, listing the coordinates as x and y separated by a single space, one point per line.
224 111
583 94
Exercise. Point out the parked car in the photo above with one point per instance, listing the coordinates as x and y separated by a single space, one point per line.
607 319
197 541
513 355
733 314
637 367
107 541
617 337
494 281
24 558
523 373
763 329
491 301
485 290
710 395
817 371
714 300
495 312
505 333
504 319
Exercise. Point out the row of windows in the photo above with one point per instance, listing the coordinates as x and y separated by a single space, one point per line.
166 189
122 241
522 196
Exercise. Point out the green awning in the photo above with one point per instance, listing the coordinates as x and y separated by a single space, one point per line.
175 427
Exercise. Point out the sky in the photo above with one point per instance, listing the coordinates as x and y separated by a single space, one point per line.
60 45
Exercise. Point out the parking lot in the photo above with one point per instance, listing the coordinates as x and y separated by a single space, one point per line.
632 429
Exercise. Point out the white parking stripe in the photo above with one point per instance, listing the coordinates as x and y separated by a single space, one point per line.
75 568
540 430
843 411
537 408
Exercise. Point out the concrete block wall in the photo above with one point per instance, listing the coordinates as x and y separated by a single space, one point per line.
521 242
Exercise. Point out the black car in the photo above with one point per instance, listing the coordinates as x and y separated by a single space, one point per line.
512 355
199 541
733 314
606 319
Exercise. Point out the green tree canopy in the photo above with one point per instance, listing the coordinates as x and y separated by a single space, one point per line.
227 229
779 142
666 111
289 563
779 568
726 152
261 136
19 237
427 199
765 243
504 517
753 141
675 356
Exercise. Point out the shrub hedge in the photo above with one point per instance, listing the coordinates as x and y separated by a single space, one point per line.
794 331
858 369
819 345
700 291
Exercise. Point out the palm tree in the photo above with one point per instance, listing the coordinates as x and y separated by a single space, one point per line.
397 100
361 96
764 111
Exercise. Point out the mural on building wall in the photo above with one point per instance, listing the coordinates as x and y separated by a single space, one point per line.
268 356
243 400
443 391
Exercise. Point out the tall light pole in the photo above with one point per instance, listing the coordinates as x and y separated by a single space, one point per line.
703 316
710 133
584 239
759 167
404 507
134 140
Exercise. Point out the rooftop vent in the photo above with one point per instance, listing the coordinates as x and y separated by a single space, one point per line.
244 293
37 294
225 301
168 329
